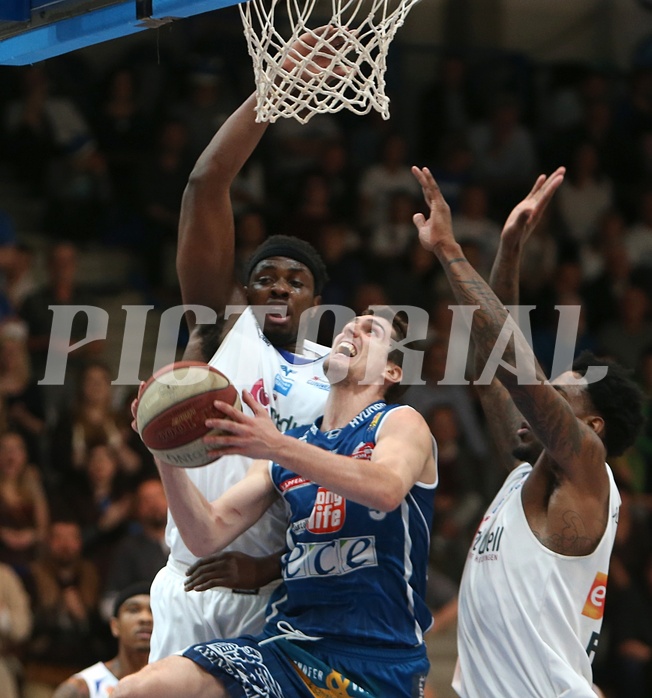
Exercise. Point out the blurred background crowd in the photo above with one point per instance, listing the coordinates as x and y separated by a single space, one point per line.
93 163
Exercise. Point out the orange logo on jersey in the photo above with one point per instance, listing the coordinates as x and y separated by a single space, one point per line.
594 605
328 513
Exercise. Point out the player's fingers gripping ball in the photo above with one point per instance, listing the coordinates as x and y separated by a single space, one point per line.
173 407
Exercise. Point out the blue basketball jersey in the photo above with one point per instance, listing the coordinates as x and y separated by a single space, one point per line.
350 570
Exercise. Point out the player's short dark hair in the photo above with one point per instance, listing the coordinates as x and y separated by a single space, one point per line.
293 248
617 399
399 331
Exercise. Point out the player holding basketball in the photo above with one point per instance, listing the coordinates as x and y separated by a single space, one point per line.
532 593
285 277
131 624
359 484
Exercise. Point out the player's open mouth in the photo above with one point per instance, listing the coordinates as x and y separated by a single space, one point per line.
277 313
346 348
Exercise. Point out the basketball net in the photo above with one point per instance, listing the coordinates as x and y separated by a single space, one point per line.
301 71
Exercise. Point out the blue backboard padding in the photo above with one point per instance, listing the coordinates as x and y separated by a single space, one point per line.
90 28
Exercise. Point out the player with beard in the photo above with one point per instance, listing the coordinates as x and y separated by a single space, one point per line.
509 431
532 595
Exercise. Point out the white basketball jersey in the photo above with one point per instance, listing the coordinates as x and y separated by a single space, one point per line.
294 390
99 679
529 618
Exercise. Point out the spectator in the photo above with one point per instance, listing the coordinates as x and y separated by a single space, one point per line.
23 400
586 195
78 192
425 398
473 225
24 510
391 240
162 179
93 421
102 503
206 104
66 587
15 625
504 155
142 553
39 126
460 502
382 180
61 288
639 236
123 132
19 277
446 106
626 337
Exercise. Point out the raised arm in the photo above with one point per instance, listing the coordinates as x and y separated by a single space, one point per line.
403 455
206 245
502 416
574 446
205 251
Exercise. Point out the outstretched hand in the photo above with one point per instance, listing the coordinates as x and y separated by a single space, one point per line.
437 228
242 434
526 215
315 52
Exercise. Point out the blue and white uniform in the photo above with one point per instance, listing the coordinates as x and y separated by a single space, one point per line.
350 571
100 681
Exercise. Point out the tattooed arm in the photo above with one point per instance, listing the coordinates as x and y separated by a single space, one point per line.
571 443
502 416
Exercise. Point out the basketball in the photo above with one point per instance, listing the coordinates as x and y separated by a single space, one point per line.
174 406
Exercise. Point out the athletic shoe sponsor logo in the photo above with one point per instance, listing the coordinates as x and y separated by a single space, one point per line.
332 558
594 605
328 512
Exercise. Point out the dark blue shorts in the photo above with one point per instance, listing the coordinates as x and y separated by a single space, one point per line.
289 669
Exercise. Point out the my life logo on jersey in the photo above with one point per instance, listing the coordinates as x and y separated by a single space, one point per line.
328 513
594 604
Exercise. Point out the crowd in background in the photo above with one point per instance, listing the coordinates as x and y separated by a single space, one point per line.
108 156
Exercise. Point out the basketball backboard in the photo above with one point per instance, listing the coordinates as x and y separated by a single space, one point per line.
33 30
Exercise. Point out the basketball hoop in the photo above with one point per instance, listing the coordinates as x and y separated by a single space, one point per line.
340 64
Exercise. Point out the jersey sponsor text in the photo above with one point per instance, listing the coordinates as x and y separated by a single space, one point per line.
331 558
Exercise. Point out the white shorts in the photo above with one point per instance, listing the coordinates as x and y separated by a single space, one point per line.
183 618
